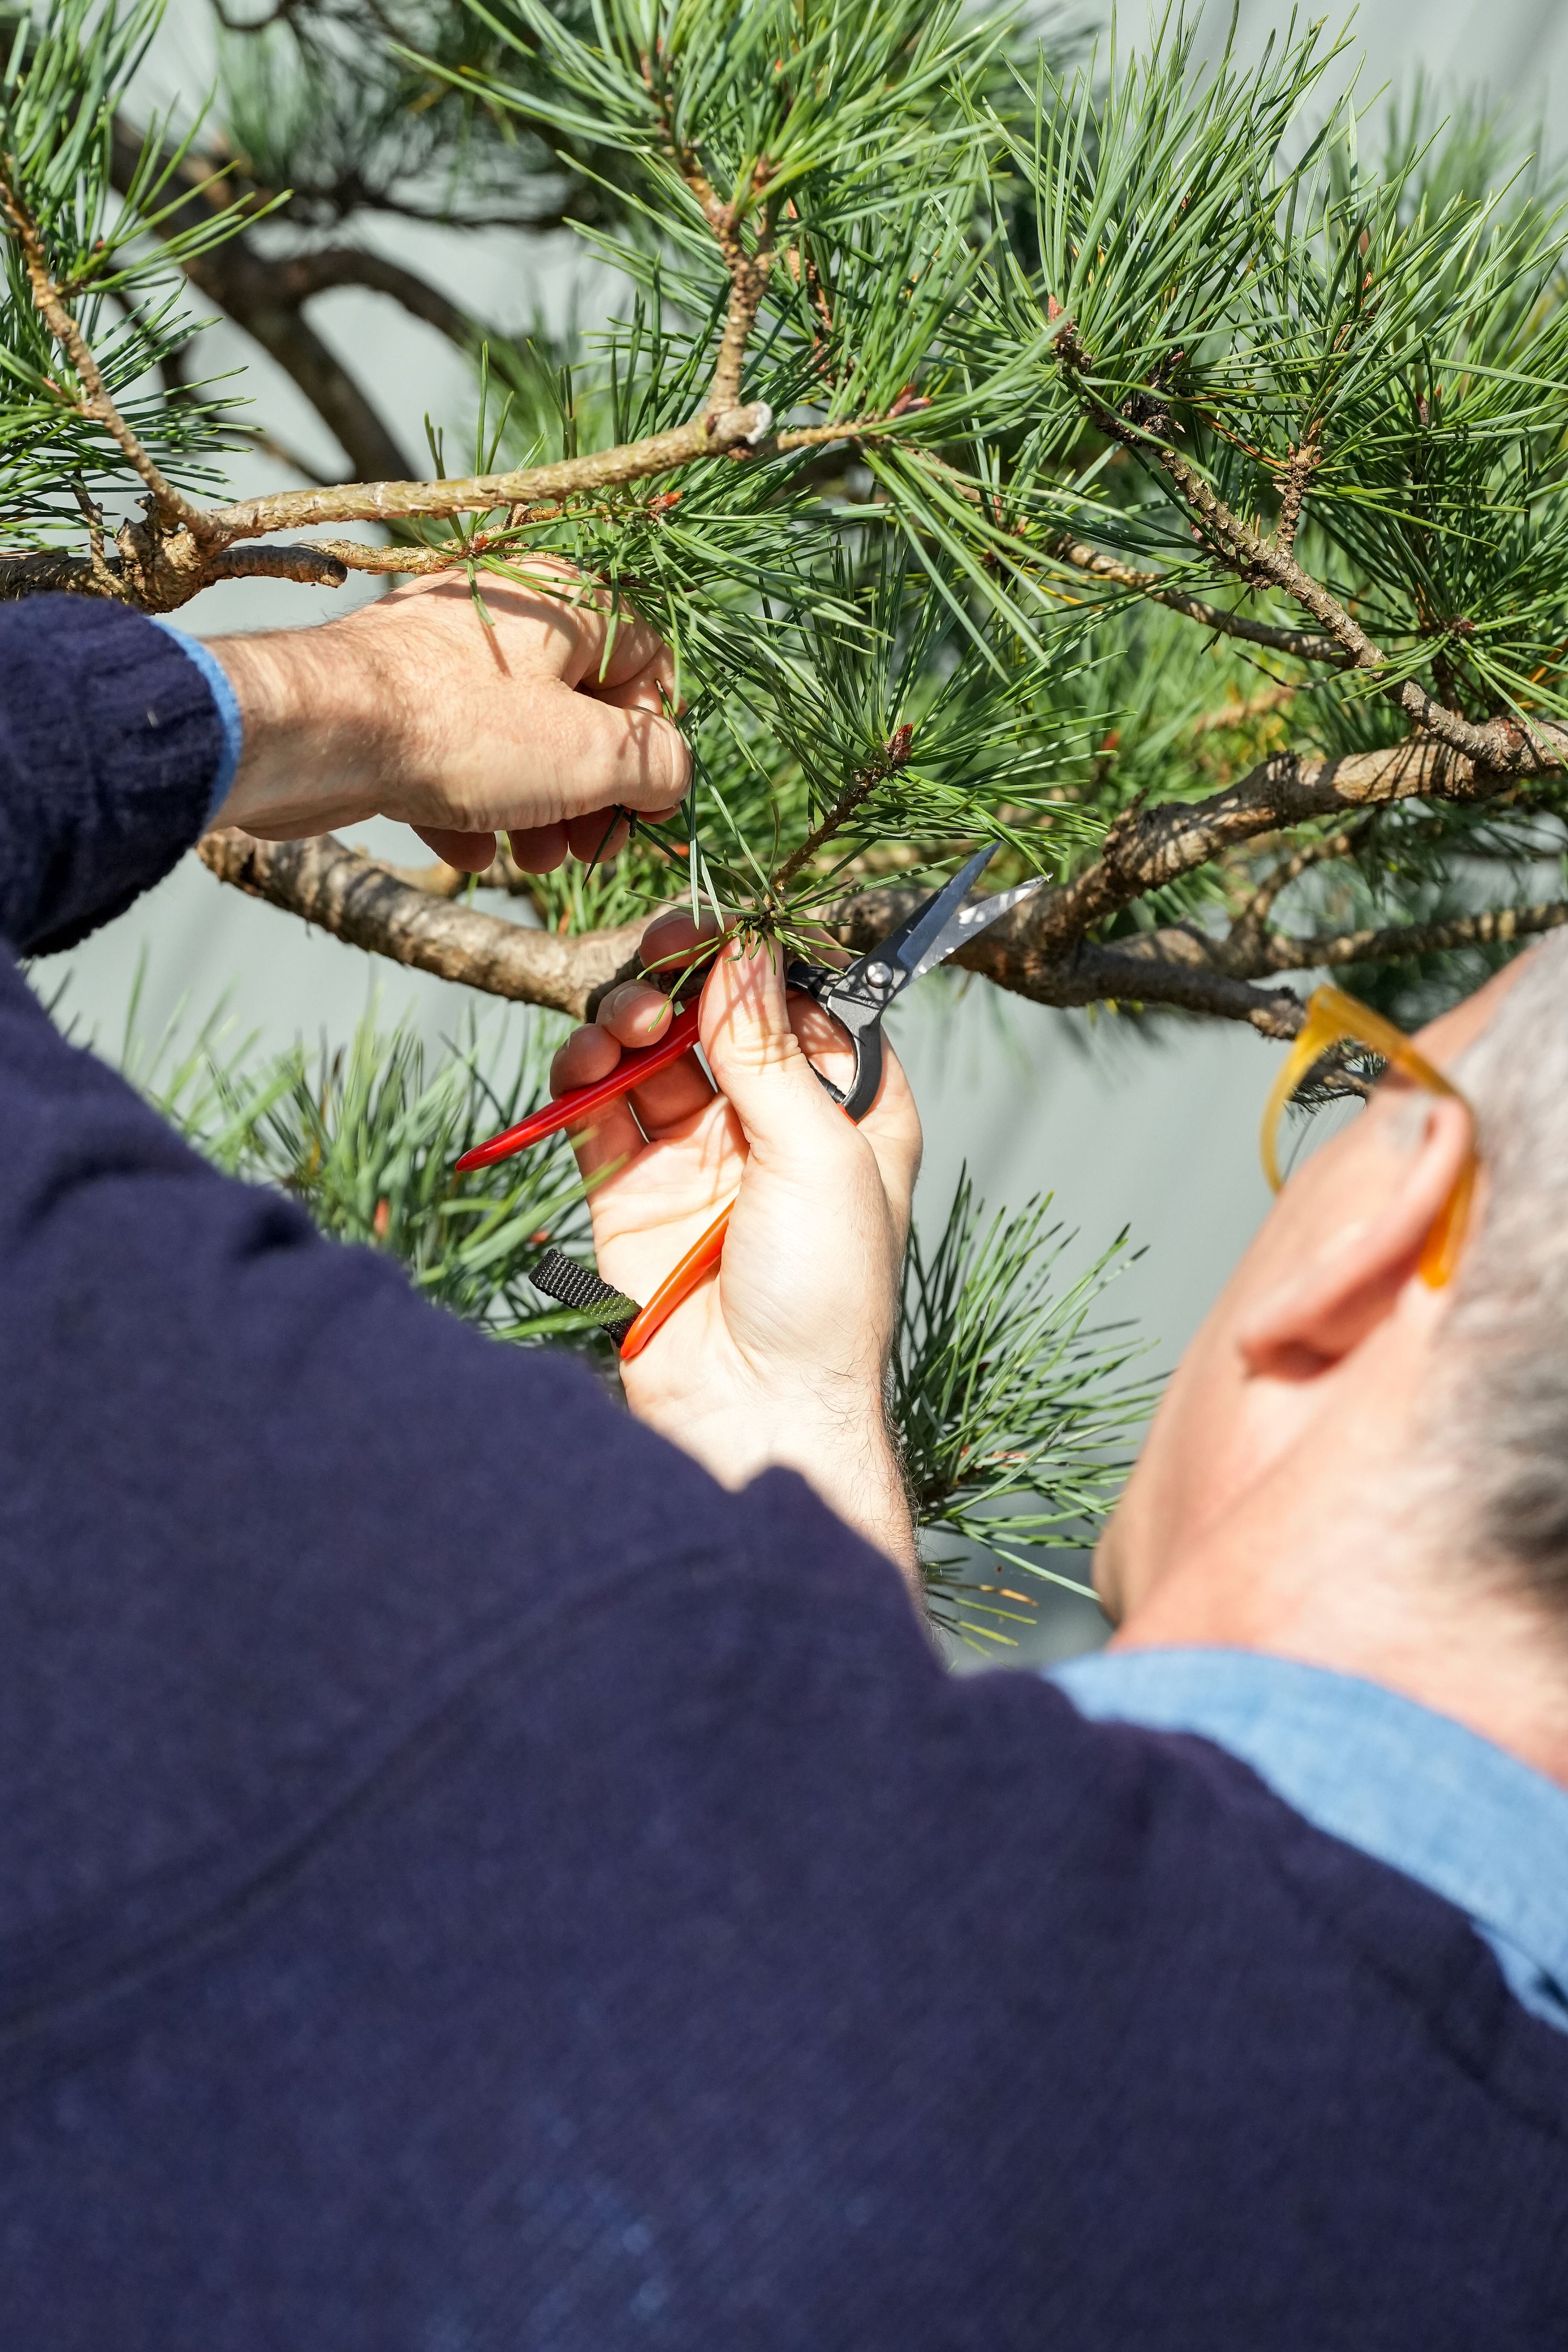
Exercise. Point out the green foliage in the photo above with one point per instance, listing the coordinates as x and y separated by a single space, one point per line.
766 100
1226 285
64 72
1032 281
365 1137
808 635
1013 1407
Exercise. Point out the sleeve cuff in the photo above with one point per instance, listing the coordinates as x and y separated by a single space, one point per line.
228 710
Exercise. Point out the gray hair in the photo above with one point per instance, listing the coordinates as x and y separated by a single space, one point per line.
1501 1412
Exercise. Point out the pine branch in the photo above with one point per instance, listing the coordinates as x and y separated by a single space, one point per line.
343 891
408 916
1243 940
169 506
1298 471
1128 974
1148 849
1170 968
1504 746
1401 942
747 271
895 755
47 571
1298 643
636 461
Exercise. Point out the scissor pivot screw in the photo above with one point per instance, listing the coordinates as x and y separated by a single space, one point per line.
879 974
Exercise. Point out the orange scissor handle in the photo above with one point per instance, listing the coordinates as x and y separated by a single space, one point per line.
700 1261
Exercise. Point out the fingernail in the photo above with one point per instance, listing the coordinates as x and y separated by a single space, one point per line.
649 1017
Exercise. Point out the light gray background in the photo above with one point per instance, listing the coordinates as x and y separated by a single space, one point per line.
1157 1135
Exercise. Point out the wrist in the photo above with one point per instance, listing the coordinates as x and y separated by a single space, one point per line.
843 1451
318 720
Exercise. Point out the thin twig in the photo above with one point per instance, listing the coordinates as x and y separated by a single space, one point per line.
747 271
804 271
170 505
894 754
1242 940
1152 585
748 278
105 582
1501 746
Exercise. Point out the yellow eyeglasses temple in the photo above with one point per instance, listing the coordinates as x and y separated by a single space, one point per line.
1333 1018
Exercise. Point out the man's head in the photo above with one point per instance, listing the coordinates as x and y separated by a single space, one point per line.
1344 1442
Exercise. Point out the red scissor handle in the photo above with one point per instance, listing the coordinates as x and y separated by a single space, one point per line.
637 1063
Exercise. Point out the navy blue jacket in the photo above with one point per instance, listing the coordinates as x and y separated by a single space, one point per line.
468 1885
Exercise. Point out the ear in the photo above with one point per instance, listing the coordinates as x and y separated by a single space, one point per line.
1352 1281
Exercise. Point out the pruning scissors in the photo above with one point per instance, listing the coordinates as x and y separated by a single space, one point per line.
858 997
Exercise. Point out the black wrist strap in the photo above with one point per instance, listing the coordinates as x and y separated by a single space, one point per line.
571 1284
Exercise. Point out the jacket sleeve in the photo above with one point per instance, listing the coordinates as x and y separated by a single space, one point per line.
112 749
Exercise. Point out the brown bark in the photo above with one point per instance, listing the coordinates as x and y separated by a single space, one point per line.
36 573
1298 643
1501 745
1166 968
350 895
661 453
1151 848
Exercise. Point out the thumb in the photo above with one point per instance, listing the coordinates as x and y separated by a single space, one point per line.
755 1056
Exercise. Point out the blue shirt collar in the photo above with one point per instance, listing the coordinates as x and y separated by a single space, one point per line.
1411 1788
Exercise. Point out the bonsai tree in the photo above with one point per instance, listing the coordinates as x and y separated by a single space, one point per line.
1101 461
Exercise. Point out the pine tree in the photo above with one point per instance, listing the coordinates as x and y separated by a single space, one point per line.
1102 459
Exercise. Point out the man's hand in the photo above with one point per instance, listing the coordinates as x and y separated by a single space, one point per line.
541 721
783 1357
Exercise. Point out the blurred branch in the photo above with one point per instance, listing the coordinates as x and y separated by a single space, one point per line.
1494 926
264 295
1243 940
302 275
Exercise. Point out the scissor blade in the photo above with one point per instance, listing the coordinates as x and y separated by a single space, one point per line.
966 923
901 953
